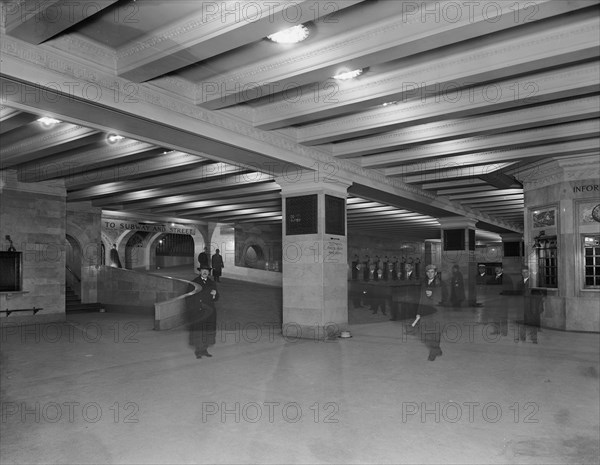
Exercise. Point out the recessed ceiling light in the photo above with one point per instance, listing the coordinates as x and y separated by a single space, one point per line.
345 75
292 35
47 121
390 103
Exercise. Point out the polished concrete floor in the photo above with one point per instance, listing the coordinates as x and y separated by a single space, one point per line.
107 388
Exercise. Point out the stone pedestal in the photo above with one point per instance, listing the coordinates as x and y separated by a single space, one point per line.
314 254
458 248
561 195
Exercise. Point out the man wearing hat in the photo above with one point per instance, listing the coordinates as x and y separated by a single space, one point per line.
203 321
430 325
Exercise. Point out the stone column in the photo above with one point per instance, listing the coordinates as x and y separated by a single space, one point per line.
458 248
314 254
562 208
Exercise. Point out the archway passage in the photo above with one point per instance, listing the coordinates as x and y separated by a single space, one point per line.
254 257
174 250
134 250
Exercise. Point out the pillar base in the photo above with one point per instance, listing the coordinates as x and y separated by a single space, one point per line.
317 333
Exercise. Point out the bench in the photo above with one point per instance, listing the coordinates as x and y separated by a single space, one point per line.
8 312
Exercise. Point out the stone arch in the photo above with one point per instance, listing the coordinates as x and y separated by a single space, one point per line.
254 253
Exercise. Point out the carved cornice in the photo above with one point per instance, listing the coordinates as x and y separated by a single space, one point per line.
86 49
45 139
9 181
558 170
172 33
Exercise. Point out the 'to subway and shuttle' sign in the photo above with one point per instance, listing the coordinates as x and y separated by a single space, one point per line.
118 225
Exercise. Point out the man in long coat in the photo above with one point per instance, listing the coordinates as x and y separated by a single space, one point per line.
203 319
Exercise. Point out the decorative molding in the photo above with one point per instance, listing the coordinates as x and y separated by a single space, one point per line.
44 140
9 181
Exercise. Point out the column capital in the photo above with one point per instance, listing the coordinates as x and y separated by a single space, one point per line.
557 170
455 222
511 237
306 182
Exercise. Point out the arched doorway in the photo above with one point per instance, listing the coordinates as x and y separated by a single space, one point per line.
134 250
174 250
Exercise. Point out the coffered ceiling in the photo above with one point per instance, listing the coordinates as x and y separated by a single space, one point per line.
454 102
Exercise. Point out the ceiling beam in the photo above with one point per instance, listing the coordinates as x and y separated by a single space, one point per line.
552 42
521 139
36 21
577 109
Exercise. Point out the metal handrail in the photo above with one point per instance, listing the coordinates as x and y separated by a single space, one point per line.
73 273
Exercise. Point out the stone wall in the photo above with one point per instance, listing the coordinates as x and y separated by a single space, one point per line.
34 216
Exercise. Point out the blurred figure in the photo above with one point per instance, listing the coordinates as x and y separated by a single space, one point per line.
409 273
457 287
203 258
366 267
115 262
355 267
217 265
533 306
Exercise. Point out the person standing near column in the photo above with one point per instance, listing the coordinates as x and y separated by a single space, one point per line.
203 320
217 266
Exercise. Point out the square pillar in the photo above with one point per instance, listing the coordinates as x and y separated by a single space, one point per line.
458 248
314 255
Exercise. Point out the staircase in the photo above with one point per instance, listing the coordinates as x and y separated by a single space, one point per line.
73 303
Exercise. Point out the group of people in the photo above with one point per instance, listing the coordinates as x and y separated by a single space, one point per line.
203 319
383 269
430 323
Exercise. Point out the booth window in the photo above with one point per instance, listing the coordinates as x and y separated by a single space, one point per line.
547 259
591 257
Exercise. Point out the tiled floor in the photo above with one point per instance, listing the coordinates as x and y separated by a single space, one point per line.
106 388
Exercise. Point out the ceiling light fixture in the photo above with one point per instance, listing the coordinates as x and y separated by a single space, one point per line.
114 138
292 35
47 121
345 75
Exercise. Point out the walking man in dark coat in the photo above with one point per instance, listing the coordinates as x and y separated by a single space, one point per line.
203 320
217 265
